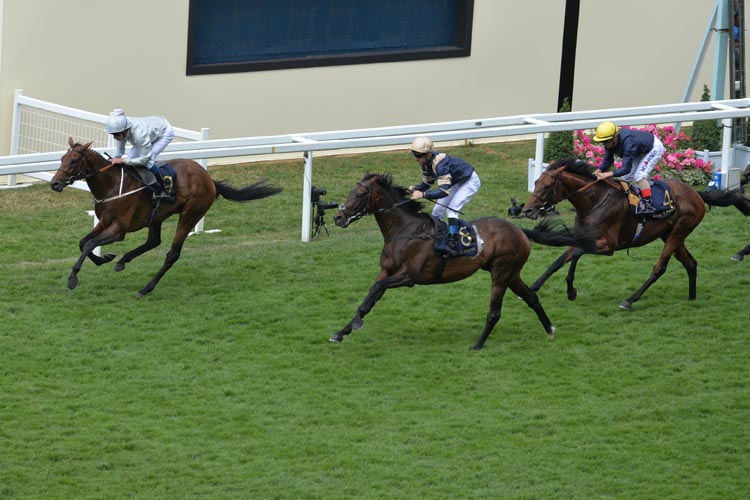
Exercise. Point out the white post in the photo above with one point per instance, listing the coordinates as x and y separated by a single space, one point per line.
15 132
725 152
203 163
97 250
306 196
538 162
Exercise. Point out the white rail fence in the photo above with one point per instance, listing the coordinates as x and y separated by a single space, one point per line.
487 128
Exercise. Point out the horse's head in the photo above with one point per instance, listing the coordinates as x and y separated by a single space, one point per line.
374 193
75 165
553 185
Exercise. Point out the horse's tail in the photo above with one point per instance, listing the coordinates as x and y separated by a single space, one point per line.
552 231
718 198
260 189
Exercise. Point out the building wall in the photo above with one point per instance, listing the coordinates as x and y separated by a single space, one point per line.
98 55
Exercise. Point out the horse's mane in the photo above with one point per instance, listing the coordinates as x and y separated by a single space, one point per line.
97 153
399 192
574 166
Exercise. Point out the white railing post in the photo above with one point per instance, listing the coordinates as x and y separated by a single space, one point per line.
725 152
15 132
306 196
203 163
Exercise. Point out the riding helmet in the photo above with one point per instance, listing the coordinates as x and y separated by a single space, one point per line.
422 145
117 122
605 131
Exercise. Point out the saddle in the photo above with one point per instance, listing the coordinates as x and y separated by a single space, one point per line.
145 177
661 197
467 240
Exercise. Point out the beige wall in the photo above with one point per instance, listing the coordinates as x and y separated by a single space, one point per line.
88 54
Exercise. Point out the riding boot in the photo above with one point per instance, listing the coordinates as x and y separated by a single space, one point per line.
158 188
452 240
648 206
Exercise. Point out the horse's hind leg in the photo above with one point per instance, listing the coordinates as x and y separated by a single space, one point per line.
91 255
691 266
572 292
499 286
741 254
153 240
532 300
183 229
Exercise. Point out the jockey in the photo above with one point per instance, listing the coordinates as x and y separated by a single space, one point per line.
148 136
457 182
640 152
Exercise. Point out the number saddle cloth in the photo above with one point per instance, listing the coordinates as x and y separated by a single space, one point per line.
467 239
168 174
661 198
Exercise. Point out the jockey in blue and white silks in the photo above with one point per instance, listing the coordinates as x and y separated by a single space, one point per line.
457 183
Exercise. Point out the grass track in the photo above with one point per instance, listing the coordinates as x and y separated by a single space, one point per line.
222 384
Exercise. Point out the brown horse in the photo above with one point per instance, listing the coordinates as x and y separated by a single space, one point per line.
603 207
735 199
123 205
407 258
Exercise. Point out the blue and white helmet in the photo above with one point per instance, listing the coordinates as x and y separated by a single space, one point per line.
117 122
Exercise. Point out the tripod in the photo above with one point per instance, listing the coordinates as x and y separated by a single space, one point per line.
320 221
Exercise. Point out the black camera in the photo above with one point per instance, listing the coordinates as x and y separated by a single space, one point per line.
321 207
515 209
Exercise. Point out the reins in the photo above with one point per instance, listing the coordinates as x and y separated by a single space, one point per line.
80 175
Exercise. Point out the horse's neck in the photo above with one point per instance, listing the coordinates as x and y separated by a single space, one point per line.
399 221
104 182
594 196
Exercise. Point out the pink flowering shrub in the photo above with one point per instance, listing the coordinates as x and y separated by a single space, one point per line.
679 160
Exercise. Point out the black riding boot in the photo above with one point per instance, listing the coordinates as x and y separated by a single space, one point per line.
158 188
648 206
452 240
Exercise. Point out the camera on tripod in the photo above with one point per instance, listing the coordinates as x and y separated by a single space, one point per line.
315 194
320 209
515 209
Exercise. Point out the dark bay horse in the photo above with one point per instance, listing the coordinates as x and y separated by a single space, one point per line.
123 205
727 199
407 258
603 207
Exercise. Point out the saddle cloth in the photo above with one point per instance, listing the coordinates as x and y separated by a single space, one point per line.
144 176
661 197
467 239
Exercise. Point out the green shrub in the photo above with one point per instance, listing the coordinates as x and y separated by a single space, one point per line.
706 133
559 145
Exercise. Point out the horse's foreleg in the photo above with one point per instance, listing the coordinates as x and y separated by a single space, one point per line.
109 235
172 255
691 266
556 265
741 254
91 255
152 241
576 256
377 290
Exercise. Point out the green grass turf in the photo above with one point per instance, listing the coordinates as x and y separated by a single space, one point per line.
222 384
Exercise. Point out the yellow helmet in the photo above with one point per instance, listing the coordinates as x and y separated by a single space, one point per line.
605 131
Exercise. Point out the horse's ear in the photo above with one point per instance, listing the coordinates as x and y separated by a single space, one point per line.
71 141
88 145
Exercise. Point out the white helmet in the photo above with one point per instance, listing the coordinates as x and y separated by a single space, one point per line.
117 122
422 145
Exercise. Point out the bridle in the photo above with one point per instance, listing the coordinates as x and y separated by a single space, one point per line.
546 205
366 204
80 172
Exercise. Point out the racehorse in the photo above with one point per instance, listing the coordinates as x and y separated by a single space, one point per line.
408 259
731 198
603 207
123 205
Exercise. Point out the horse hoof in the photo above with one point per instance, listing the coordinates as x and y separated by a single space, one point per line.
737 257
72 283
573 295
551 333
626 306
336 338
119 267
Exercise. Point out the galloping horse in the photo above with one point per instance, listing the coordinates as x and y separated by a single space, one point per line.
407 258
603 207
731 198
123 204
